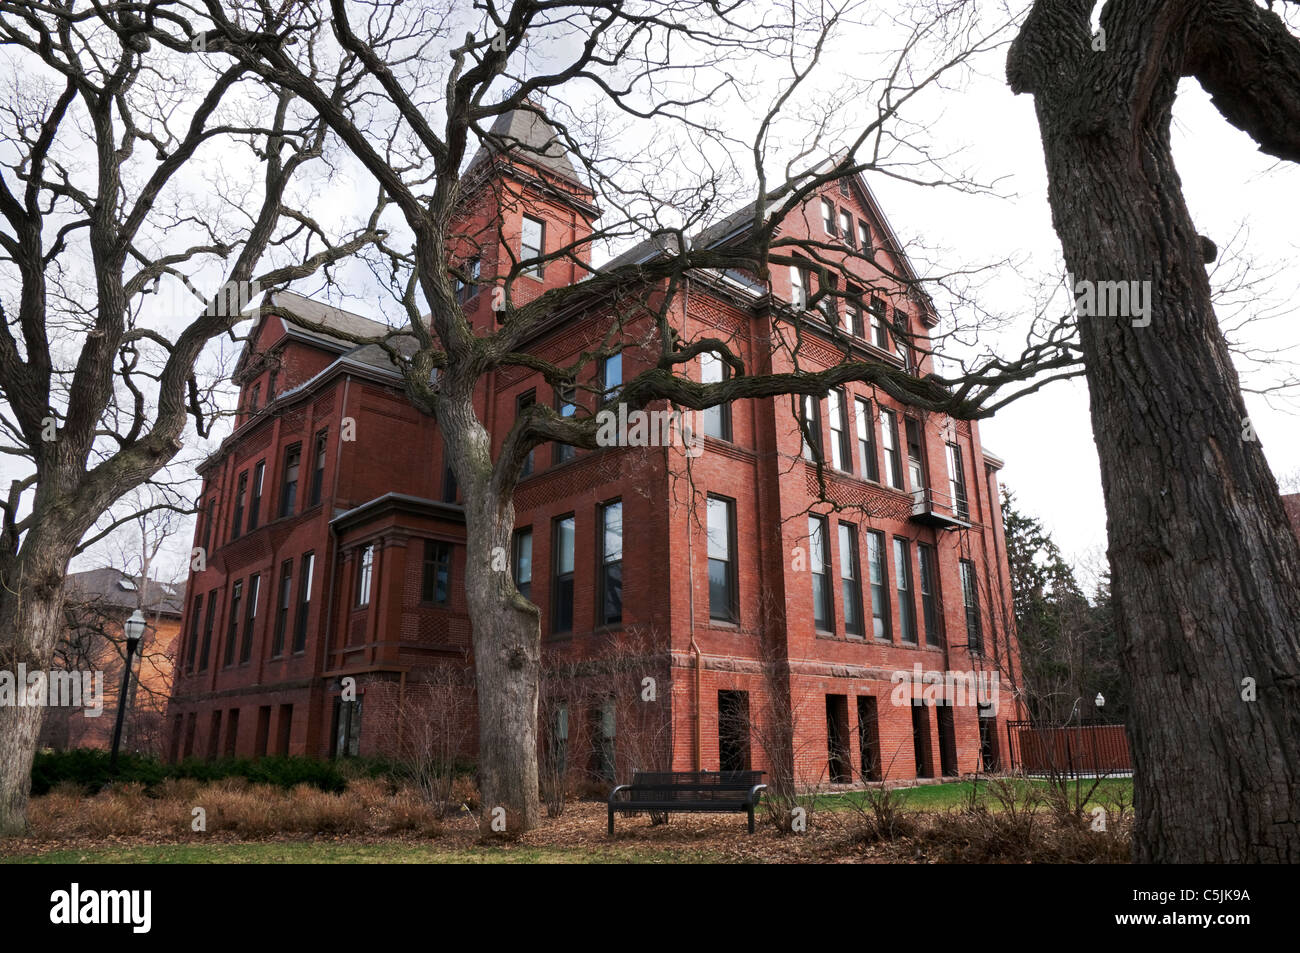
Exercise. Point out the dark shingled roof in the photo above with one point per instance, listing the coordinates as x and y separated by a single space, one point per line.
347 322
114 588
532 139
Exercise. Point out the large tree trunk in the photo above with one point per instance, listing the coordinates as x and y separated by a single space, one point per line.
31 613
506 633
1206 569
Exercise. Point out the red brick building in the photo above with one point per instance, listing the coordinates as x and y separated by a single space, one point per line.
696 610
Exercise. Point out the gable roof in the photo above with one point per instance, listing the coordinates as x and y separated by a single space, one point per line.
112 588
346 322
738 223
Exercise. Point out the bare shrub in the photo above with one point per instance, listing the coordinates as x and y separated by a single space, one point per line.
435 724
601 719
774 730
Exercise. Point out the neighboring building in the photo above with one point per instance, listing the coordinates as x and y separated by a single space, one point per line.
335 542
95 604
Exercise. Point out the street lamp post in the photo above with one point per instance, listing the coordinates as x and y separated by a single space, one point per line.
134 629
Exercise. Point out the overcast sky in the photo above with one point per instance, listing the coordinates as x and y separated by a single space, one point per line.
1046 439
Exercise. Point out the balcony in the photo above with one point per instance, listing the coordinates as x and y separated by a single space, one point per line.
938 510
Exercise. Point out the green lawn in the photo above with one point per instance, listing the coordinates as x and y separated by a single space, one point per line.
395 852
942 797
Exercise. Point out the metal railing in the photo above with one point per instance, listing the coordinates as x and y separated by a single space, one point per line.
928 500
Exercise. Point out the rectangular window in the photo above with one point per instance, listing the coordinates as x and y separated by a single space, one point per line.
523 560
365 570
449 486
254 590
879 324
256 401
523 402
800 283
841 455
717 420
259 472
611 377
829 305
853 315
347 728
188 661
811 428
819 565
866 429
308 564
850 579
232 623
880 616
903 579
724 602
208 624
562 575
282 606
901 341
610 597
531 243
864 236
846 229
915 457
957 483
971 601
241 497
318 467
208 516
929 593
435 577
289 489
828 217
566 402
889 441
465 290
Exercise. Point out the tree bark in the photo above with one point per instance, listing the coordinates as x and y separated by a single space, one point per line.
507 633
32 612
1205 567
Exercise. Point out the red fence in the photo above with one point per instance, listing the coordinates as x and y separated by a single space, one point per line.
1074 751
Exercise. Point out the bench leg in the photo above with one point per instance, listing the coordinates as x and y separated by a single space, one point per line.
611 822
751 820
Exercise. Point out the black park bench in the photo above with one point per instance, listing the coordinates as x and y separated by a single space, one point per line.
711 792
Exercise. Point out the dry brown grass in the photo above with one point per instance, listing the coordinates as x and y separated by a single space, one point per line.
231 805
1018 831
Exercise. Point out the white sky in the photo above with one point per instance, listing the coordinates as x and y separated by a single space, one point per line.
1046 438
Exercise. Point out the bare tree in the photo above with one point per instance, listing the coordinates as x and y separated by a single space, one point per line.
595 65
122 180
1205 567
